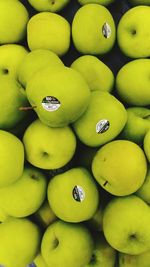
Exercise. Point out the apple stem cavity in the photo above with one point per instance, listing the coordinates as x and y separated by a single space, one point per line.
27 108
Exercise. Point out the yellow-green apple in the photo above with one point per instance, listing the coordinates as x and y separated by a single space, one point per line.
46 147
35 61
60 96
132 32
16 248
93 30
103 254
11 56
14 17
144 190
53 33
66 245
39 262
3 215
48 5
100 2
141 260
77 192
134 89
103 121
120 167
45 216
95 72
126 224
17 199
138 123
12 155
138 3
146 145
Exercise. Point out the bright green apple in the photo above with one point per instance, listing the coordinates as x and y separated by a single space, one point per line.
133 31
100 2
39 261
12 158
13 22
141 260
95 72
11 56
103 254
61 96
144 190
16 248
46 147
103 121
133 82
17 199
126 224
147 145
66 245
138 3
138 123
53 33
77 192
120 167
3 215
48 5
35 61
93 30
45 215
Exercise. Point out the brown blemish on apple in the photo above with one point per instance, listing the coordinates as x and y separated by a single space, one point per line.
27 108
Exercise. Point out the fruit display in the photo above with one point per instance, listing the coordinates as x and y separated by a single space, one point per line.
74 133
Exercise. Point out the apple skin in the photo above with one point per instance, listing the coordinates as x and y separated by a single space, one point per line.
46 5
138 3
103 106
132 31
67 86
46 148
65 244
12 151
39 261
100 2
16 239
77 208
87 33
103 254
11 56
126 224
146 145
45 216
13 16
51 25
134 90
144 190
142 259
17 199
138 124
95 72
120 167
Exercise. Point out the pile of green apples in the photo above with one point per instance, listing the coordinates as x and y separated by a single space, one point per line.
74 140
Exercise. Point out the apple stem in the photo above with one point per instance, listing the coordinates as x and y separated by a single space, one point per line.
105 183
147 116
27 108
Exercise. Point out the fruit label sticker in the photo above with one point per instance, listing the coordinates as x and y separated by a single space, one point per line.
50 103
106 30
78 193
102 126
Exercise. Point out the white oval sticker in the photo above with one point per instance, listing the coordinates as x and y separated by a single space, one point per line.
102 126
50 103
78 193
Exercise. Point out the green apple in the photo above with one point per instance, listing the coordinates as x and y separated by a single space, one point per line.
126 224
134 89
66 245
133 31
46 147
17 199
77 192
138 3
11 56
141 260
146 144
103 254
93 30
100 2
60 96
144 190
12 98
48 5
13 22
120 167
45 216
20 240
96 222
138 123
39 261
95 72
53 33
12 155
3 215
35 61
103 121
